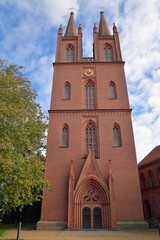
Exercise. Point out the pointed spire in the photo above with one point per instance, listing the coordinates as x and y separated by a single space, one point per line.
71 27
103 26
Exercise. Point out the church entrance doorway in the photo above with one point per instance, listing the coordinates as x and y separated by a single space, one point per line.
91 206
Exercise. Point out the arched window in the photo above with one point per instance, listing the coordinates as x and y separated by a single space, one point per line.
67 90
151 179
116 136
91 137
107 54
69 54
148 210
65 136
143 182
112 90
89 95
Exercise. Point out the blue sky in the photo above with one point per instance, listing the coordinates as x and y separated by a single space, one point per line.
28 37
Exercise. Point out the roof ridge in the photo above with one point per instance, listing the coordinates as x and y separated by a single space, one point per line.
151 156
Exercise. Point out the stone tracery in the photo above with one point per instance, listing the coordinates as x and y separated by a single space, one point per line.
91 196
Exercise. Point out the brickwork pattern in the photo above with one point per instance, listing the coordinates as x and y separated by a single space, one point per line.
59 205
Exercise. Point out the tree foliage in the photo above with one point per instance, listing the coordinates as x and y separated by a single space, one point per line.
22 134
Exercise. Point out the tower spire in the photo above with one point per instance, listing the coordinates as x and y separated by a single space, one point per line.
103 26
71 27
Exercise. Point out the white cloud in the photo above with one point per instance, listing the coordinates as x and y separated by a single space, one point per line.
140 39
29 38
52 12
42 75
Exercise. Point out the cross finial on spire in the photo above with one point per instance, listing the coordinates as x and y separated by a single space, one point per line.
72 9
101 8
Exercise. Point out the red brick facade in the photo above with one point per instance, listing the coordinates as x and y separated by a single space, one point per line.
90 113
149 175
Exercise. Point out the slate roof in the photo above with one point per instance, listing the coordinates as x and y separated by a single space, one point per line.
152 156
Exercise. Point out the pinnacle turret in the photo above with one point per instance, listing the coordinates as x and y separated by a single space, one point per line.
114 28
60 30
80 29
95 28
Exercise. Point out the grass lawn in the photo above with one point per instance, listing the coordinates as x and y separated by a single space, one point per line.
5 227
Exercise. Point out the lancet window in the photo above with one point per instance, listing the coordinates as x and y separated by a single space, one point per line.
89 95
108 54
91 137
112 90
116 136
67 90
69 54
65 136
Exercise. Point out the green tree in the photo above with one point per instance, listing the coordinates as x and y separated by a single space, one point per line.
22 135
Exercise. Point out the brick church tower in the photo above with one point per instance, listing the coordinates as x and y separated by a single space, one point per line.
91 159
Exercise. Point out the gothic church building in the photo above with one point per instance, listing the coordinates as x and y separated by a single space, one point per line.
91 159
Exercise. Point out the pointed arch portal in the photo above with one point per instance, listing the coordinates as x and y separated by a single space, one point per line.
91 206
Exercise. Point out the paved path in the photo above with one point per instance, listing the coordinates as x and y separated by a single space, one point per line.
83 235
98 233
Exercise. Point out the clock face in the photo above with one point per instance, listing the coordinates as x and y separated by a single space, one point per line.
88 72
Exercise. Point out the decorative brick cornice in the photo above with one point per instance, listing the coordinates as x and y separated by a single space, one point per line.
70 38
87 64
105 37
91 113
